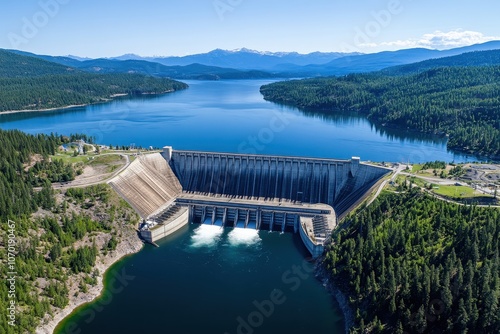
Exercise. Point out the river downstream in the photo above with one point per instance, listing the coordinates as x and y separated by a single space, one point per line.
205 279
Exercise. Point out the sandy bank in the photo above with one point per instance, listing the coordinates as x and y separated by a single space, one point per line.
7 112
40 110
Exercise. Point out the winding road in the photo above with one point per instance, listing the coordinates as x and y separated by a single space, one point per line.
396 171
93 180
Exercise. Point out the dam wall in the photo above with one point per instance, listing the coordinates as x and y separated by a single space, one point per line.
148 184
338 183
277 193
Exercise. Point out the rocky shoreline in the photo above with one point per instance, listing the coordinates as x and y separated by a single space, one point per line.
129 244
330 285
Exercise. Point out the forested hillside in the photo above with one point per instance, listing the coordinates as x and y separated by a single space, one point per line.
18 66
413 264
477 58
193 71
53 91
17 197
28 83
462 102
55 243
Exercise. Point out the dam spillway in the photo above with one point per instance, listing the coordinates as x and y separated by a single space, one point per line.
304 195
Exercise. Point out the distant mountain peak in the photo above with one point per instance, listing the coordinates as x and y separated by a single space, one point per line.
128 56
243 50
77 58
131 55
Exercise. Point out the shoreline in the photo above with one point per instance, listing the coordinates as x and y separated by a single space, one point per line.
130 245
329 284
111 98
8 112
479 156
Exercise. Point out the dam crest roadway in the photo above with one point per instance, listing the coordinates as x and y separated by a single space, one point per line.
277 193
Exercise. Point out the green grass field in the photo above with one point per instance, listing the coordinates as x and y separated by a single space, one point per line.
105 159
457 192
90 159
68 157
452 191
416 168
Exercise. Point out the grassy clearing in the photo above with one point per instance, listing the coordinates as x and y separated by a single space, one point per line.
428 172
69 158
451 191
90 159
105 159
457 192
419 182
416 168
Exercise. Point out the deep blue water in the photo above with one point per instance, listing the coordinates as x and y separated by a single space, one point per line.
205 280
232 116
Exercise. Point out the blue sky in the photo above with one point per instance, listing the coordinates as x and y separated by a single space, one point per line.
106 28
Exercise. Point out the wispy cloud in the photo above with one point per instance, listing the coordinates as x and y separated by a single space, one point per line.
439 40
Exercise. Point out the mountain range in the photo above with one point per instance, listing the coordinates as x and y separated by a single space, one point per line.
250 64
246 59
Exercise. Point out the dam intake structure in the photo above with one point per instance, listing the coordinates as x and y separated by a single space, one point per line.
298 194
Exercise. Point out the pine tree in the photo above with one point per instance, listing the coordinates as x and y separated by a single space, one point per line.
463 317
420 321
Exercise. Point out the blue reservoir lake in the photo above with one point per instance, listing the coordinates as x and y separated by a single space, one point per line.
232 116
203 279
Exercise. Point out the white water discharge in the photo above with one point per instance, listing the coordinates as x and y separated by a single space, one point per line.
206 236
243 237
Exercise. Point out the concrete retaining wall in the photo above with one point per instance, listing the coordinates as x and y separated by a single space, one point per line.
314 249
163 230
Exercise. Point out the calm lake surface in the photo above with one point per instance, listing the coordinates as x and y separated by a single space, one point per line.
206 280
231 116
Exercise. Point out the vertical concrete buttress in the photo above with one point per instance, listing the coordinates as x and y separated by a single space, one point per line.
308 180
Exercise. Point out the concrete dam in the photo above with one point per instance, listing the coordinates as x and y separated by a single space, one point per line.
338 183
277 193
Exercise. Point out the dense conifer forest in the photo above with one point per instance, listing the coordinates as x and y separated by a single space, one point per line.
28 83
53 231
461 102
411 263
477 58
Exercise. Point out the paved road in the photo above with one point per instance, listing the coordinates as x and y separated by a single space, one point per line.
396 171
